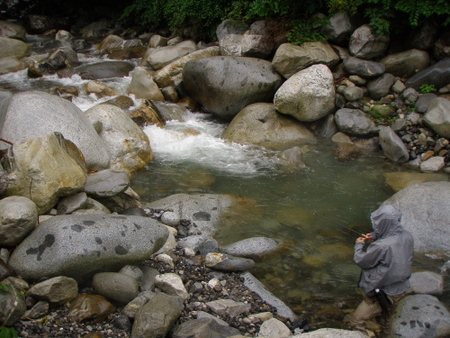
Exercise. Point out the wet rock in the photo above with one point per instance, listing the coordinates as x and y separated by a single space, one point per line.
172 284
100 70
18 217
79 245
433 164
18 283
274 328
225 262
355 122
133 271
228 307
106 183
442 46
353 93
162 56
125 200
38 310
31 114
426 212
256 286
90 307
262 125
126 49
423 102
224 85
143 86
5 270
92 207
12 306
62 57
13 47
437 116
425 35
126 142
204 327
292 159
166 75
133 307
157 41
366 45
170 218
407 63
289 59
44 169
418 316
11 64
106 42
254 247
57 290
99 89
427 282
393 147
339 29
437 75
69 204
308 95
116 286
364 68
148 323
399 180
12 30
379 87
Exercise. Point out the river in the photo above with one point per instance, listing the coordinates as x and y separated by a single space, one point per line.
316 212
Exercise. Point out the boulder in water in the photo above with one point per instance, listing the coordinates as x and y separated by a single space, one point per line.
100 70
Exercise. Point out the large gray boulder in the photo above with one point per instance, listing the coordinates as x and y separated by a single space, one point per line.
11 64
406 64
262 125
339 28
13 47
437 116
426 214
355 122
18 217
380 87
80 245
366 45
420 316
128 145
437 75
308 95
28 115
224 85
44 169
290 59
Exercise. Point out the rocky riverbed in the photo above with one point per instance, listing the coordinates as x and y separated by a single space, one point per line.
76 239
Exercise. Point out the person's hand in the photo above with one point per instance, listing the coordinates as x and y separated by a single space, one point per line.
360 239
368 237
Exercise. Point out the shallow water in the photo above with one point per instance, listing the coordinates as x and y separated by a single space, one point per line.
316 212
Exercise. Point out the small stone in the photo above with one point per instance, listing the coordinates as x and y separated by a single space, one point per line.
435 163
57 290
89 307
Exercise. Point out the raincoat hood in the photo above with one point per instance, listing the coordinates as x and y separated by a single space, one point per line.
386 221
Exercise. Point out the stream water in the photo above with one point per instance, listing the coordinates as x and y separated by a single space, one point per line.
309 210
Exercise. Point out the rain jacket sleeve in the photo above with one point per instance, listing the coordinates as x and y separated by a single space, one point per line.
371 257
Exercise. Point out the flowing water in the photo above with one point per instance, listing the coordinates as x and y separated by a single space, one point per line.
316 212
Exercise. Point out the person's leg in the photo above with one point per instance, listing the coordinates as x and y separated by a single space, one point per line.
366 310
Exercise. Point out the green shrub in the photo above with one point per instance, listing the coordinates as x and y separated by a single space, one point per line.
8 332
427 88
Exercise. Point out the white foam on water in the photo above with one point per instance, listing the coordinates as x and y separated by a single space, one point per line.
197 140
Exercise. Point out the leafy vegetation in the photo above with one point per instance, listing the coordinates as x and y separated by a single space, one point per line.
203 16
427 88
8 332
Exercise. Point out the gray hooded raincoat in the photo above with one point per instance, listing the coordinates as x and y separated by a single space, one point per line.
386 263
